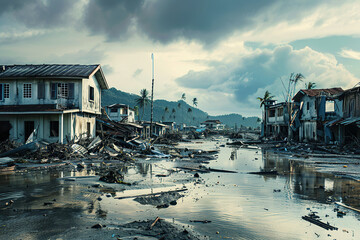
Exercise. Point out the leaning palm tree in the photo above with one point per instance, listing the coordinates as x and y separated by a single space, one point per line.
310 85
195 102
183 97
143 100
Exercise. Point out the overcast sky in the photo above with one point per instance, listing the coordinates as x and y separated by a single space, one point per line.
223 52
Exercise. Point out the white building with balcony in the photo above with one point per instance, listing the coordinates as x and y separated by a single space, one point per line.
54 102
120 113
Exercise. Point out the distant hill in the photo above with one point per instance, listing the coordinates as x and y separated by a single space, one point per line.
181 115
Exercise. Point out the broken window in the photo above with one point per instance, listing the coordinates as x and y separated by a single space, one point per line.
272 113
54 128
27 90
330 106
62 90
91 94
280 112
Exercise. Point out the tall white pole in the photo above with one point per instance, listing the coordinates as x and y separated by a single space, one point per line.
152 96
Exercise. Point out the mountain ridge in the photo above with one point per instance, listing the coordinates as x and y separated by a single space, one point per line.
178 110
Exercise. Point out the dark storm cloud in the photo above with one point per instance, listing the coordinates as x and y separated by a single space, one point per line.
207 21
262 69
113 18
38 13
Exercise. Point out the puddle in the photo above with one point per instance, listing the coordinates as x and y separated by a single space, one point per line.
239 205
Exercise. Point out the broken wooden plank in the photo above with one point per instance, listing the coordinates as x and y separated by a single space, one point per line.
153 224
319 223
348 207
221 170
272 172
153 194
202 170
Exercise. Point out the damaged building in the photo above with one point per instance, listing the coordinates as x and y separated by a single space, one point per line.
316 108
348 127
53 102
277 120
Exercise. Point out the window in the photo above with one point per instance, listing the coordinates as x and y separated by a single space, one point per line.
113 110
88 127
91 93
62 90
280 112
27 90
54 128
4 91
307 106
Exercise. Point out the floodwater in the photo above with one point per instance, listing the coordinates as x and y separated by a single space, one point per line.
239 205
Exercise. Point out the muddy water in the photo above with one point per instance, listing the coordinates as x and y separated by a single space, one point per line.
239 205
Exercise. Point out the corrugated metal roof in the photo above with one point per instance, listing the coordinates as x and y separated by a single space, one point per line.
317 92
47 71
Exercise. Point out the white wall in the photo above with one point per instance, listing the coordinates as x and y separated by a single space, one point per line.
87 105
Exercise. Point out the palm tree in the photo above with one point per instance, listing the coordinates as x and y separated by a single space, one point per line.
166 110
179 105
183 97
310 85
189 110
143 100
195 102
263 100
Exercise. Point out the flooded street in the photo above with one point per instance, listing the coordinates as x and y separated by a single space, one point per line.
239 205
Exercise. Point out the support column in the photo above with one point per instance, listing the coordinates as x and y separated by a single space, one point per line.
61 128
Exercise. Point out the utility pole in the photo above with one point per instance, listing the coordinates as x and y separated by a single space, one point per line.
152 96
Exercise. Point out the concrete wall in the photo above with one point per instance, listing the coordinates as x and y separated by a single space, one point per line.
311 112
307 131
87 104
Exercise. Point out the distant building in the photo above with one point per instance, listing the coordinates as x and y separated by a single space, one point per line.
50 101
120 113
159 129
212 125
316 107
171 126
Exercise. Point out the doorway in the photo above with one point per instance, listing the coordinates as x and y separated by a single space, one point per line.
5 127
29 128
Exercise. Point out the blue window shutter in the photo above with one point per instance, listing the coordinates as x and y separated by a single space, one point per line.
53 90
1 92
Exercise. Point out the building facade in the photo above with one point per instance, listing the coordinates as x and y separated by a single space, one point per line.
120 113
316 107
52 102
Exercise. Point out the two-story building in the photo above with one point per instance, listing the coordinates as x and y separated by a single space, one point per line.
317 106
120 113
212 125
53 102
277 120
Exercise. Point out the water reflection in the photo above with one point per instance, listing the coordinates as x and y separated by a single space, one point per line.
304 179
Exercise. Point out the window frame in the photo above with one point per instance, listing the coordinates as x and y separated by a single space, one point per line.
91 94
27 90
